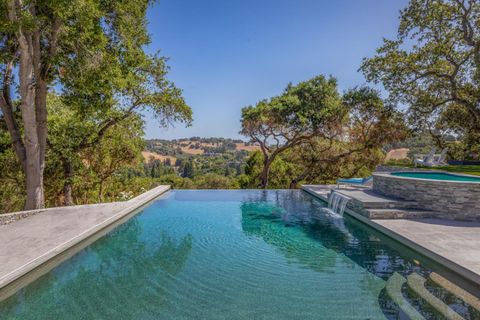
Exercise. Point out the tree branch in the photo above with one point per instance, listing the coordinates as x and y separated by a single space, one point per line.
7 109
106 125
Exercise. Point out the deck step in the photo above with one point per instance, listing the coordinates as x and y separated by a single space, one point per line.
398 214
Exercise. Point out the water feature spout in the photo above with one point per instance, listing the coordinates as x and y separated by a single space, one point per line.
337 202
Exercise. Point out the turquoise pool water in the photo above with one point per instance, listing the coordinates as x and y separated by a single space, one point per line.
436 176
231 255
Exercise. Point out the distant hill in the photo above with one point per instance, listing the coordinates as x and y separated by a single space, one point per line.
159 148
221 156
149 156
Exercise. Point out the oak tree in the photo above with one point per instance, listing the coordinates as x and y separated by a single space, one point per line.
309 109
433 68
93 51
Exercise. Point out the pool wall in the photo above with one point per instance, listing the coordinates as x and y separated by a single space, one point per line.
455 200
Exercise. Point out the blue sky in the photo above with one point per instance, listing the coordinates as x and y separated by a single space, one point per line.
227 54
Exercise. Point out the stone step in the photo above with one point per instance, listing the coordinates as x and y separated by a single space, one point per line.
394 290
394 204
397 213
367 199
417 283
456 290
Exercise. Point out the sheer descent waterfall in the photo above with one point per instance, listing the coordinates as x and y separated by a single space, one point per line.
337 202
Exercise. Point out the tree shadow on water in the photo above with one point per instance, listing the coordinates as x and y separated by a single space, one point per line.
121 276
305 233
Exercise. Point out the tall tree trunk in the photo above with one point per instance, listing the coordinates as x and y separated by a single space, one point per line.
100 191
265 171
33 171
7 109
294 182
67 184
40 102
29 76
41 114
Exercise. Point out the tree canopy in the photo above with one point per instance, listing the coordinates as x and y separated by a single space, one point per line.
311 125
349 143
93 51
433 68
308 109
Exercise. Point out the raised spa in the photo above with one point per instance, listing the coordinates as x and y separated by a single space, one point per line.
437 176
446 195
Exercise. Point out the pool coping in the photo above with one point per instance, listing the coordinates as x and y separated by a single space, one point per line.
18 278
389 174
447 263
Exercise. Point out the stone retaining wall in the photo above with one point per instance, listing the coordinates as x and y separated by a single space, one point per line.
6 218
448 199
384 168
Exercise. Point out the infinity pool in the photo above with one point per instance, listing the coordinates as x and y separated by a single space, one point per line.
233 255
436 176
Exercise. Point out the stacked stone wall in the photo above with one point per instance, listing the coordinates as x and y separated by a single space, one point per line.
448 199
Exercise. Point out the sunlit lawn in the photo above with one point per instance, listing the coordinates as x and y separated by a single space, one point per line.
469 169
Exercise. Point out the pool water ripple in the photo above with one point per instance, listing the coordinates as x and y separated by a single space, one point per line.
231 255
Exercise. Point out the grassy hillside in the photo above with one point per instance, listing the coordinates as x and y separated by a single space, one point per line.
197 157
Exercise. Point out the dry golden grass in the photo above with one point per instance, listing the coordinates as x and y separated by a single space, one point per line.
188 150
185 146
242 146
397 154
147 155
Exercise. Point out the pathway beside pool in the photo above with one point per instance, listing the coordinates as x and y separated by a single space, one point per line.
32 242
456 241
455 244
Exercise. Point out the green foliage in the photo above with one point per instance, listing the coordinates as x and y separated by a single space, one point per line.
305 109
330 161
11 176
93 52
253 169
109 170
468 169
407 162
309 109
214 181
220 155
156 168
433 68
280 175
465 169
207 181
93 171
312 134
188 170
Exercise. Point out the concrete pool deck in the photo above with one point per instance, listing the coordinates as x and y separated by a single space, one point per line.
454 244
33 242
